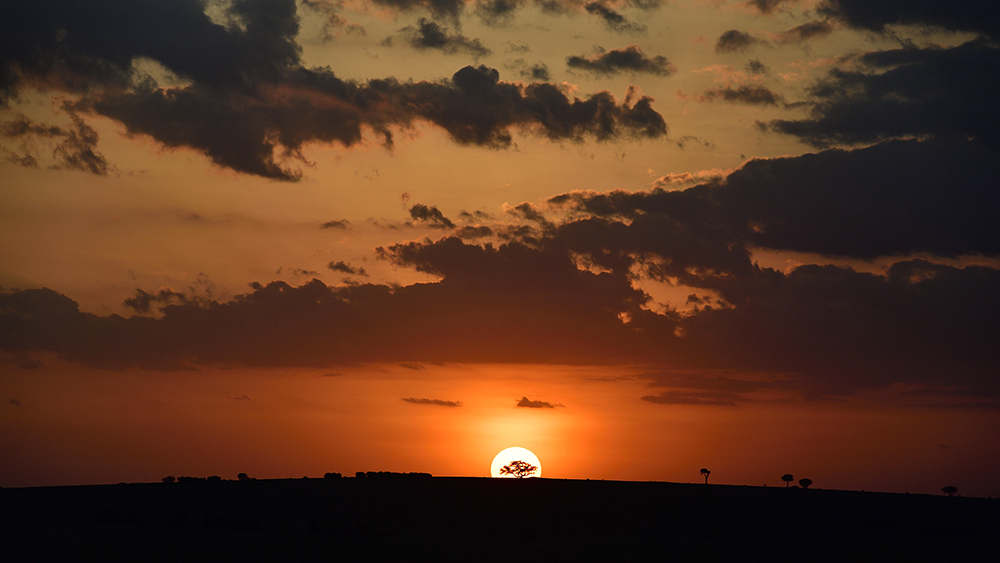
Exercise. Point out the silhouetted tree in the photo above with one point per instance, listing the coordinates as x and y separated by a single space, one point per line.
519 469
787 478
331 476
704 473
950 490
169 479
804 483
243 477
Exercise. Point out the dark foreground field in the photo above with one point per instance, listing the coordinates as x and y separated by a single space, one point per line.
473 519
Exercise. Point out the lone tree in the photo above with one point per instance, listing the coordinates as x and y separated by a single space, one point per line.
804 483
704 473
519 469
787 478
950 490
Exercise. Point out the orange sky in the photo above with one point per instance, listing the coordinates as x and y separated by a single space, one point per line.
752 236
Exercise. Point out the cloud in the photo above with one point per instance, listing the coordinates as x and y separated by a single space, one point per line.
247 102
734 41
894 198
767 6
979 16
334 23
72 148
416 366
945 92
337 224
16 403
810 30
612 19
240 398
430 216
429 35
678 398
345 268
768 330
630 59
537 72
528 404
745 94
436 402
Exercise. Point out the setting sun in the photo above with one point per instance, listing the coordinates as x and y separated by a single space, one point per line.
511 455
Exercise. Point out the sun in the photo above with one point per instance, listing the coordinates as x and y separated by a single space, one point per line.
515 454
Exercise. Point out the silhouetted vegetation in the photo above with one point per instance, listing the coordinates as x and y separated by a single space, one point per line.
519 469
245 477
950 490
705 473
332 476
169 479
787 478
804 483
390 475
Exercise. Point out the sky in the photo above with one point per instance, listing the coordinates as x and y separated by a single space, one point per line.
637 237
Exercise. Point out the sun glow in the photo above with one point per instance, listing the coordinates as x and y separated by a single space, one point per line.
515 454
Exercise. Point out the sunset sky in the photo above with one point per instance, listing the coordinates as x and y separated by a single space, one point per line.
637 237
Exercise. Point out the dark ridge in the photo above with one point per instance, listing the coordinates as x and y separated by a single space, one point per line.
481 519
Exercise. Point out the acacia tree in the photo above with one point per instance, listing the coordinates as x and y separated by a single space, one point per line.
787 478
519 469
704 473
950 490
804 483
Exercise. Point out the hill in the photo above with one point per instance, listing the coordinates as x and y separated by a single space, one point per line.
398 518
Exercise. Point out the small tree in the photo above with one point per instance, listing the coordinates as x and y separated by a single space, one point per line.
243 477
950 490
804 483
787 478
519 469
704 473
169 479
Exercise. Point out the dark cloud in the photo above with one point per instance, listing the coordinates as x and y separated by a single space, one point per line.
247 101
430 216
429 35
416 366
918 323
977 16
436 402
745 94
240 398
470 232
498 13
334 22
444 9
678 398
526 403
734 41
630 59
895 198
16 403
945 92
612 19
336 224
346 268
810 30
537 72
72 148
756 68
767 6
